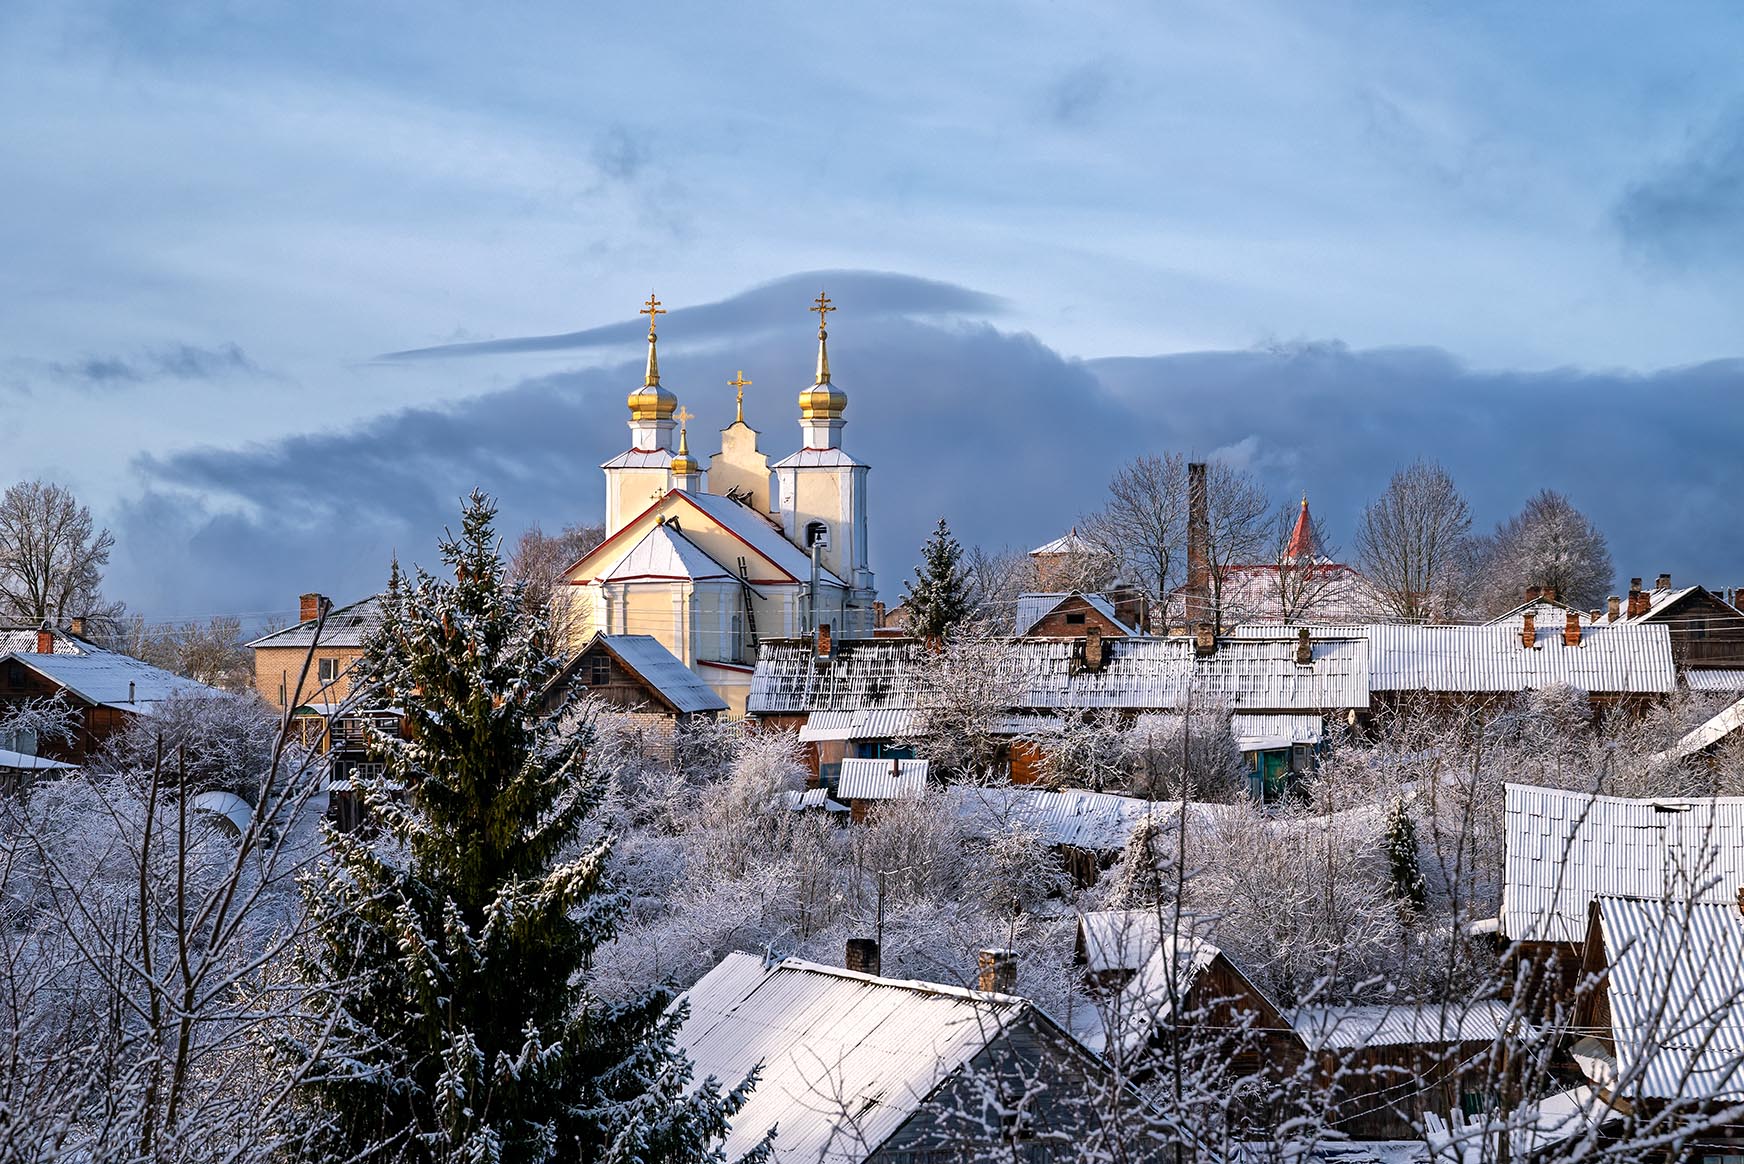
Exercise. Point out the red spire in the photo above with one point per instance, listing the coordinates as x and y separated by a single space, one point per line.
1302 541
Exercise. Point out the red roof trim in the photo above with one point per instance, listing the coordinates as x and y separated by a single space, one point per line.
632 523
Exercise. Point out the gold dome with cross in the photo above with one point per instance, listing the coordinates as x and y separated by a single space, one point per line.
823 400
651 401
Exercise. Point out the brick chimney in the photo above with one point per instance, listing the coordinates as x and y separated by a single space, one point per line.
878 614
1571 629
1638 602
310 606
1532 593
823 640
76 625
1613 608
1528 631
1304 648
1549 594
1130 607
45 641
1204 639
862 956
1093 649
1663 582
1198 596
998 971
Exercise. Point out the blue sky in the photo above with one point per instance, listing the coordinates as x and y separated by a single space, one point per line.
1326 238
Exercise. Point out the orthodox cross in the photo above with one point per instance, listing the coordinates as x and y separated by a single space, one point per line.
823 308
741 384
683 415
651 309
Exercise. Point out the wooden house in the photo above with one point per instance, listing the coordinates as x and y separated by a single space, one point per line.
859 1068
1566 848
1073 614
106 691
637 675
1706 630
1660 1031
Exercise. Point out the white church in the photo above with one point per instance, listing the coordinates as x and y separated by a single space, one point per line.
712 561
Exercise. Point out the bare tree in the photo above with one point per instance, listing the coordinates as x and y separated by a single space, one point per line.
538 563
51 555
1414 544
1549 544
996 578
1237 534
212 652
1143 525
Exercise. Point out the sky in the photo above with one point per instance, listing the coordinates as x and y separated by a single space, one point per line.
1318 239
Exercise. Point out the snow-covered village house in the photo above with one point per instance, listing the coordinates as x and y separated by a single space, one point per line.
639 677
713 562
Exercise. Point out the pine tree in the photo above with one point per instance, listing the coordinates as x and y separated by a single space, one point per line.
1409 888
938 596
456 933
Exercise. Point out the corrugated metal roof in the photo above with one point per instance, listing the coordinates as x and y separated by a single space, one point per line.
1164 966
1546 612
756 529
871 723
1720 679
860 673
813 798
845 1058
1565 848
1032 608
1282 730
1676 988
1708 734
872 779
664 552
1612 658
113 680
661 670
1400 1024
1098 822
346 626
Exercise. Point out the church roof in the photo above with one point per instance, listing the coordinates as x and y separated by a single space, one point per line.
1069 544
1304 542
816 459
665 553
752 528
641 459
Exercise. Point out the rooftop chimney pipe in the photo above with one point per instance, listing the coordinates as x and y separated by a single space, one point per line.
998 971
862 956
1528 631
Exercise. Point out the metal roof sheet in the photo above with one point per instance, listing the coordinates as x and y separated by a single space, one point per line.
754 528
1565 848
1164 966
845 1058
661 670
1676 988
1032 608
874 779
1729 720
113 680
346 626
665 553
816 459
1400 1024
1099 822
1287 729
1720 679
640 459
867 723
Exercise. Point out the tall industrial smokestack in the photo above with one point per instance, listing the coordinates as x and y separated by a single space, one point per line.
1198 605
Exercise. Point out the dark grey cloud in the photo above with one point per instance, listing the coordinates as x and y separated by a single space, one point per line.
773 306
1692 210
1007 438
172 362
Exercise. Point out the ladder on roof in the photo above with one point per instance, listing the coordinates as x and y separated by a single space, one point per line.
750 609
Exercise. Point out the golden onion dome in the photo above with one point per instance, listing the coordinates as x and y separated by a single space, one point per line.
684 464
823 400
651 401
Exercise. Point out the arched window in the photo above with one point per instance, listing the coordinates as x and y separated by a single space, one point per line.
817 534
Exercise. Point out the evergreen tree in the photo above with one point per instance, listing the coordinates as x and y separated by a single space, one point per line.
938 596
1409 888
455 934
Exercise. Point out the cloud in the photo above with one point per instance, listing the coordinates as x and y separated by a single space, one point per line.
772 306
1080 94
174 362
1693 209
994 430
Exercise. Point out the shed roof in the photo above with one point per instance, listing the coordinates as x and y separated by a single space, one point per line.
1401 1024
1676 993
1566 848
109 679
645 657
1258 732
845 1058
1721 679
875 779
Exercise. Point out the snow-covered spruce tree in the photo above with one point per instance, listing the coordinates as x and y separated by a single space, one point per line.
938 596
1409 887
455 937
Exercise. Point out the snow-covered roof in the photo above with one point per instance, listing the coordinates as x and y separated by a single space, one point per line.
874 779
1546 613
24 639
817 459
755 529
25 762
1071 543
1729 720
845 1058
1720 679
1660 600
860 673
1032 608
1676 993
227 806
1262 732
812 798
346 626
1566 848
649 660
1400 1024
866 723
109 679
665 554
640 459
1611 658
1100 822
1164 965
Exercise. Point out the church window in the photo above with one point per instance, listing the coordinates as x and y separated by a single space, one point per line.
600 672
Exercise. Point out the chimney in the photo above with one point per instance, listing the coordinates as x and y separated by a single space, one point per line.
1528 631
1092 648
130 690
1204 639
862 956
1129 608
1198 597
45 641
1304 648
823 640
1595 614
1664 582
310 606
998 971
76 626
1532 593
1550 594
1571 629
1613 608
1638 601
878 613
